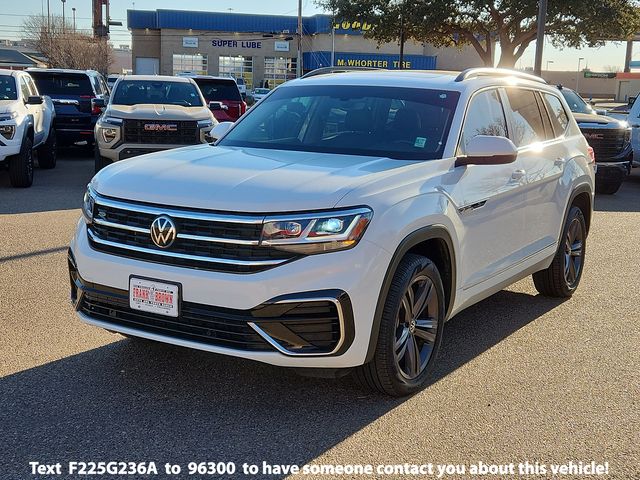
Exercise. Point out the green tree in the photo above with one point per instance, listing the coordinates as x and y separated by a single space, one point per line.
512 23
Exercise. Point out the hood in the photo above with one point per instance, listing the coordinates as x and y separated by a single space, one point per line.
6 105
242 180
146 111
597 121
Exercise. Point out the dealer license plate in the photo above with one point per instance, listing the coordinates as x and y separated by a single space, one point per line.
153 296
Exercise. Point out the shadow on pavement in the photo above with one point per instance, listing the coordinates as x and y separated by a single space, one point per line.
625 200
137 401
58 189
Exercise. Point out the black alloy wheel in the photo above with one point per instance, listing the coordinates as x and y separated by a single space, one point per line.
416 327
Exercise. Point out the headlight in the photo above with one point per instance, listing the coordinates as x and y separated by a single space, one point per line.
316 233
87 204
205 123
109 133
7 131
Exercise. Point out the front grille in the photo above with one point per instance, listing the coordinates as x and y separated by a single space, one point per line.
606 143
198 323
308 326
207 241
186 132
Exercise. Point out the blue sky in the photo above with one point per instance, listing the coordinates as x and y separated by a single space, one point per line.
13 13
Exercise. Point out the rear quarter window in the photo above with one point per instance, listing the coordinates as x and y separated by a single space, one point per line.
557 114
526 117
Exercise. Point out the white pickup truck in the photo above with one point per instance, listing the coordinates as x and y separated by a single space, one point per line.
26 124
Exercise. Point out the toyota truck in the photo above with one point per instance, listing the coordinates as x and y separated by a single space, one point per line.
149 113
26 124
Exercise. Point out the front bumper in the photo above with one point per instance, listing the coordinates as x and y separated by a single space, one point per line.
350 280
612 171
8 148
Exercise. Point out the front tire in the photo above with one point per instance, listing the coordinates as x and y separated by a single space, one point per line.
608 187
47 155
563 276
410 332
21 165
99 161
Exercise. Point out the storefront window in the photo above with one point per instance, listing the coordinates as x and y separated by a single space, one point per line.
196 64
237 67
278 70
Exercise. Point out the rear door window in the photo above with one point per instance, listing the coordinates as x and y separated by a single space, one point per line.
557 113
55 83
485 116
526 118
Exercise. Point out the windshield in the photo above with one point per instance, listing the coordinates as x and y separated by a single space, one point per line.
134 92
261 91
217 90
403 123
8 88
575 101
53 83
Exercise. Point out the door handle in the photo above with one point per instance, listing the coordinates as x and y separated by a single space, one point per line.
518 174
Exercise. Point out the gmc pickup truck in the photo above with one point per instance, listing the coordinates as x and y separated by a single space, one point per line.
26 123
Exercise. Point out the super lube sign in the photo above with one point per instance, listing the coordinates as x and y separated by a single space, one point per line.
252 44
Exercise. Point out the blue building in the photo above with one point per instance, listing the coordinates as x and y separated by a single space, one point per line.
259 48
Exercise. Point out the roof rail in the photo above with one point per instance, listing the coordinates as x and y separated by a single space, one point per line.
496 72
327 70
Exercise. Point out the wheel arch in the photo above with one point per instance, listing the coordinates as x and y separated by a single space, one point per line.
581 197
433 242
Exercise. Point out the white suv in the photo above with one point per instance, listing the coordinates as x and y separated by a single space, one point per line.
341 222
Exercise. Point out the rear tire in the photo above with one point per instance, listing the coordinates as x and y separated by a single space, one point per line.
47 155
410 332
563 276
608 187
99 161
21 165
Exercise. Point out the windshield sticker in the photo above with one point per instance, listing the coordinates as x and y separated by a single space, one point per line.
420 142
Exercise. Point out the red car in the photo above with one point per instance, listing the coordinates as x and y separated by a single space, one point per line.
223 96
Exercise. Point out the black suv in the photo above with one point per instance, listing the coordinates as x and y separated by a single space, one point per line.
609 138
73 93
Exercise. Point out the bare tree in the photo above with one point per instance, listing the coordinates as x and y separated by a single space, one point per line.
65 47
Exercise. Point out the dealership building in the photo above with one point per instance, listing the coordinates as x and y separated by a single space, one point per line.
263 48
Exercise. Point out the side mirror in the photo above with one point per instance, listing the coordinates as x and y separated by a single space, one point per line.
632 100
488 150
34 100
98 103
219 130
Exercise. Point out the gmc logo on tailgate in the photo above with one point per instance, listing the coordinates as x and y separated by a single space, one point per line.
160 127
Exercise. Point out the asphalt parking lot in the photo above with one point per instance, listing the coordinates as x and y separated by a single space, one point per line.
520 377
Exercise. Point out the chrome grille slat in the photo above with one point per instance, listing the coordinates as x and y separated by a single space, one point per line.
205 240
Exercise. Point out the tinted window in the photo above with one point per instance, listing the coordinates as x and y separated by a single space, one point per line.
527 121
485 116
32 87
133 92
575 102
8 88
217 90
51 83
559 119
401 123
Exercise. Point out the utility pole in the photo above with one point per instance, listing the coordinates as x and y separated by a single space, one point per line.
63 21
542 20
401 64
299 69
74 19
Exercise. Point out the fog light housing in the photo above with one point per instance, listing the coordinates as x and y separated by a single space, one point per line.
7 131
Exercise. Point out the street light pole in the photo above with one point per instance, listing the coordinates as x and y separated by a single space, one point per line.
299 69
542 19
578 73
74 19
63 21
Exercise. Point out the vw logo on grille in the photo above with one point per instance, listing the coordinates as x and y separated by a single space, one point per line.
163 231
